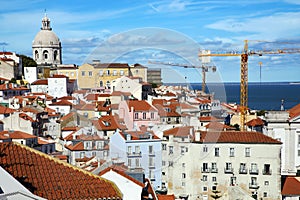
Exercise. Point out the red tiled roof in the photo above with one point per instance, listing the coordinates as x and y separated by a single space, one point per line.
17 134
217 126
67 116
92 97
255 122
140 105
139 135
247 137
58 76
66 98
294 111
85 106
26 117
6 110
183 131
3 79
119 93
62 103
108 122
40 82
166 197
208 118
72 128
291 187
51 178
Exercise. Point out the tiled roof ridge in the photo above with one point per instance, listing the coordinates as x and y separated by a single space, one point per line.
68 165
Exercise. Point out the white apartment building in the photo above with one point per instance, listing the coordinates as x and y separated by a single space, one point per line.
285 127
238 164
139 150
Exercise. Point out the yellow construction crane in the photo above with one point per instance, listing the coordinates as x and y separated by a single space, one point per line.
244 72
203 67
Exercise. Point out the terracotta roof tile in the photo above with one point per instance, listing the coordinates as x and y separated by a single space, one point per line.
294 111
166 197
51 178
218 126
140 105
246 137
6 110
291 186
183 131
40 82
17 134
108 122
255 122
62 103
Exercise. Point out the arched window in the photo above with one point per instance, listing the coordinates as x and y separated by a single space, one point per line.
45 54
55 55
36 54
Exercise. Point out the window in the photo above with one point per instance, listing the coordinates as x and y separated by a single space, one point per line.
253 181
83 73
115 72
55 55
183 165
136 115
107 72
183 184
101 84
82 154
129 162
298 152
228 168
137 162
205 167
204 189
298 140
214 167
170 150
164 146
205 149
204 178
152 115
243 169
137 149
247 151
253 169
231 152
121 72
129 150
182 150
144 115
90 73
266 182
170 163
267 170
214 179
265 194
151 149
217 151
163 164
151 162
183 175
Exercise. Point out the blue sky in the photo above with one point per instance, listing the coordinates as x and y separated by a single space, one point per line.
169 31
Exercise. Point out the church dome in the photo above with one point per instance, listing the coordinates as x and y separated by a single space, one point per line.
46 38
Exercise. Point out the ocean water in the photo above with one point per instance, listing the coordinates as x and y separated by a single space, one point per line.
261 96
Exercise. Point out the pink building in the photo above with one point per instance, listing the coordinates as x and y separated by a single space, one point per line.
136 113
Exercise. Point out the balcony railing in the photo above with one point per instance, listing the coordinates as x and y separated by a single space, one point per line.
253 171
214 170
204 170
253 186
134 154
243 171
267 172
228 170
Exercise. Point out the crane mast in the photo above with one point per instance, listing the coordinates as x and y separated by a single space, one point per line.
244 73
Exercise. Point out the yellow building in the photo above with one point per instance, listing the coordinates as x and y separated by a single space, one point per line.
100 75
67 70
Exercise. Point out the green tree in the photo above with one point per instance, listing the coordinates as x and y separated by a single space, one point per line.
27 61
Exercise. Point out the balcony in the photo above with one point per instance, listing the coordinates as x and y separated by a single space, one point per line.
253 186
243 171
214 170
253 171
134 154
228 170
267 172
204 170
